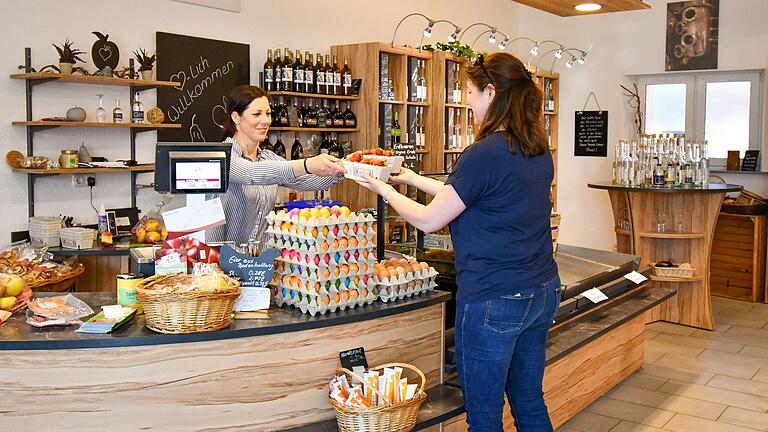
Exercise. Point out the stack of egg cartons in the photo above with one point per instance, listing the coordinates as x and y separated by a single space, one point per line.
326 258
397 278
44 230
77 238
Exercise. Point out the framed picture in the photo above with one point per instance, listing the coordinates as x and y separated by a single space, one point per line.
692 35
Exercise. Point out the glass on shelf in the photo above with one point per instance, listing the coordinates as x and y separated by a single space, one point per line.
662 224
623 222
680 225
101 113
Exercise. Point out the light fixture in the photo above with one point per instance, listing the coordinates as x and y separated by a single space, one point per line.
569 65
535 49
492 37
455 35
428 30
559 53
503 44
588 7
561 50
582 60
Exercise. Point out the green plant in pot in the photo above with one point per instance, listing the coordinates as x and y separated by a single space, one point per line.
146 63
68 56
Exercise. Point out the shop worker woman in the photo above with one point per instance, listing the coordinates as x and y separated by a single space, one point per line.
255 173
497 204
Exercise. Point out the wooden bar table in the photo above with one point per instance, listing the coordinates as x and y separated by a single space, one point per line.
687 217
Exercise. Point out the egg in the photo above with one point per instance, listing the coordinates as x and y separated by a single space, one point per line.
336 271
345 268
325 246
326 273
424 265
400 271
347 281
392 274
364 242
354 268
353 242
317 287
345 295
343 243
335 245
354 294
415 267
365 292
365 253
337 257
337 297
327 299
365 267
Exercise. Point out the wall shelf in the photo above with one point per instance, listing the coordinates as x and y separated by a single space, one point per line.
312 95
137 169
41 77
52 124
677 280
453 151
391 102
302 129
455 105
672 235
421 104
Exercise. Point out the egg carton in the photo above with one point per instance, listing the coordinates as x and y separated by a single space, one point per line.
314 304
354 218
322 233
318 286
294 242
428 274
388 293
331 260
323 272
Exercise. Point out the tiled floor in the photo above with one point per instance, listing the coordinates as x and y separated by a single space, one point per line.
693 380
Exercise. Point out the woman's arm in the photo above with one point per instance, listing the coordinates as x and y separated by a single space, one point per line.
407 177
312 182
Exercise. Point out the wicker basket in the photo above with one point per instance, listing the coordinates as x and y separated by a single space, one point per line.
193 311
59 284
398 417
674 272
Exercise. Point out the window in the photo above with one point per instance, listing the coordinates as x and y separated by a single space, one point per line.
723 108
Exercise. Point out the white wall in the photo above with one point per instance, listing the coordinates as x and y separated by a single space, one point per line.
621 44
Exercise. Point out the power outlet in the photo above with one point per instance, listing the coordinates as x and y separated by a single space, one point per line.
79 181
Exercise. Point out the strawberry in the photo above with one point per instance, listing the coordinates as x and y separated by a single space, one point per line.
355 157
378 152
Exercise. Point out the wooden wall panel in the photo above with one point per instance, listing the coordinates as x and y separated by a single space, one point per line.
101 273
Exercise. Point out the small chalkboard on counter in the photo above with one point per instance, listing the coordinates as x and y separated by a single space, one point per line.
353 357
749 163
408 152
208 70
591 133
250 271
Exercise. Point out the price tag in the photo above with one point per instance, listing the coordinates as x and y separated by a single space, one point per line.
113 311
595 295
636 277
251 271
354 357
252 299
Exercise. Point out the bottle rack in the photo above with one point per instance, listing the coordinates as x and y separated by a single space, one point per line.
35 79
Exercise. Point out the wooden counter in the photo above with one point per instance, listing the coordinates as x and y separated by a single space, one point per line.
636 213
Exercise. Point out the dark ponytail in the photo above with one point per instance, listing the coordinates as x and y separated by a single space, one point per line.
517 106
238 101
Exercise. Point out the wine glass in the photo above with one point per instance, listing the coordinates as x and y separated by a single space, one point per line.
101 113
661 221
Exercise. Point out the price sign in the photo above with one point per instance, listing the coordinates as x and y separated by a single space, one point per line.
354 357
591 133
408 152
250 271
750 160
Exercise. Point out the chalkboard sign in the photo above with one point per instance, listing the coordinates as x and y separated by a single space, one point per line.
250 271
352 358
408 152
750 160
207 70
591 133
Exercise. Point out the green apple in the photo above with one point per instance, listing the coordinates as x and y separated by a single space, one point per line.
14 285
2 290
7 303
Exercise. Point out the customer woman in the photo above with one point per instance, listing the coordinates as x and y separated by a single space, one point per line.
256 173
497 203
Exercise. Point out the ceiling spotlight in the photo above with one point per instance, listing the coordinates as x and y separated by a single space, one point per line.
503 44
569 65
492 37
535 49
428 30
588 7
559 53
582 60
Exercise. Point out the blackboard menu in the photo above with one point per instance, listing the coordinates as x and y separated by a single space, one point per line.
591 133
750 160
207 70
408 152
250 271
354 357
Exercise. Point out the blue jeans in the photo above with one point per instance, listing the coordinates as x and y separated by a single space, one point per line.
500 348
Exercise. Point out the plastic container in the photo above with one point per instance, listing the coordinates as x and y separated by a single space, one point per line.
77 238
290 205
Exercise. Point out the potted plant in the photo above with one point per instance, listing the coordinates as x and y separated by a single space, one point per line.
146 62
68 56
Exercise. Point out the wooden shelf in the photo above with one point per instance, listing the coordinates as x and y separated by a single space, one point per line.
421 104
391 102
407 51
41 123
550 112
672 235
301 129
422 151
622 232
455 105
89 79
313 95
140 168
677 280
453 151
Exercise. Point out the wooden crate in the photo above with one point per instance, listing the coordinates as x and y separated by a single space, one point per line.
737 264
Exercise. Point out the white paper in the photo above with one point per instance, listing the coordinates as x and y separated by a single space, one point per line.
112 311
195 217
170 259
252 299
636 277
595 295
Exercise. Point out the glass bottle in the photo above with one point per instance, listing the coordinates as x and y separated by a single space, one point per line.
297 150
298 73
311 117
615 165
632 166
279 147
350 119
101 113
322 116
309 74
456 84
422 82
338 117
287 80
269 73
395 131
457 130
346 78
277 65
325 145
336 76
705 164
267 144
117 112
283 119
336 149
137 110
320 87
328 115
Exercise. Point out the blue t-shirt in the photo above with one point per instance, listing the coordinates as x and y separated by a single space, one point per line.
502 240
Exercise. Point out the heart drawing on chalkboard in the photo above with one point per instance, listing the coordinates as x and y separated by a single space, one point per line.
220 111
180 76
105 52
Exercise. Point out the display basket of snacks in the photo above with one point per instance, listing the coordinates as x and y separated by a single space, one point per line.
385 402
668 269
30 262
59 280
182 303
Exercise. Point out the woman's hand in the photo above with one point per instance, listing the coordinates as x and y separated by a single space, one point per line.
406 177
373 184
324 165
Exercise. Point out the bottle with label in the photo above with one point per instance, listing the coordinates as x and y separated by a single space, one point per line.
117 112
457 129
298 73
471 128
297 150
303 114
311 117
283 119
287 81
395 131
328 114
325 145
269 73
422 82
330 77
279 147
350 119
320 75
322 116
456 84
102 220
346 78
309 74
137 110
267 145
336 76
336 149
277 66
338 117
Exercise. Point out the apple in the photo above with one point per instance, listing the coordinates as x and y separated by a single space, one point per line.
14 285
7 303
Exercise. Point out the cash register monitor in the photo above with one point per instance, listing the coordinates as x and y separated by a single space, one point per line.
192 168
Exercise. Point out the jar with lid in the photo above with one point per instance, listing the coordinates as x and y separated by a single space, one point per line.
68 159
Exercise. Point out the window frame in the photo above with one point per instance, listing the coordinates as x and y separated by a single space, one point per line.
696 104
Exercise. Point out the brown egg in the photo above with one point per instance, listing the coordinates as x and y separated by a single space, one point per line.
392 274
415 267
400 270
424 266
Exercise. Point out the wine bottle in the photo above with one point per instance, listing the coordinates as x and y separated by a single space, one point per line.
303 114
269 73
279 147
266 145
423 80
117 113
336 150
395 133
322 116
297 150
336 76
338 117
137 110
309 74
422 135
311 115
328 114
346 78
325 145
283 119
456 84
298 73
457 129
287 71
277 66
329 76
320 75
350 119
